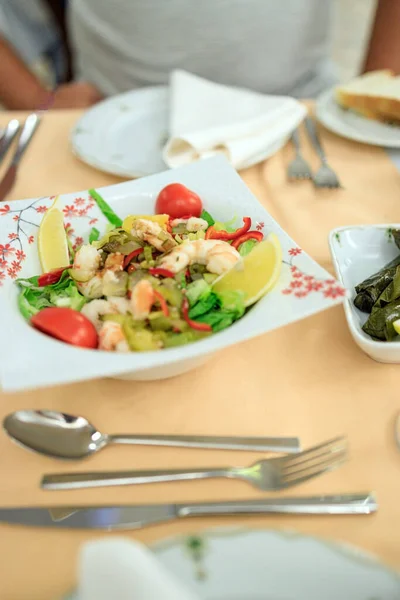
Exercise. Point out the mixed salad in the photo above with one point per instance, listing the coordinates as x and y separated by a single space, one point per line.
147 283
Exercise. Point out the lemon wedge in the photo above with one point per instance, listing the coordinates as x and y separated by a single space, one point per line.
52 241
162 220
257 273
54 204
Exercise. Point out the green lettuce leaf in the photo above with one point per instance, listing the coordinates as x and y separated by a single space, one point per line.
232 303
107 211
33 298
218 310
94 235
207 217
217 319
205 303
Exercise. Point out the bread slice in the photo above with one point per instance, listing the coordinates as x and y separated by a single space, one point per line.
375 95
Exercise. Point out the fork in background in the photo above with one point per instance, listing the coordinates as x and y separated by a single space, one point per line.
268 475
325 177
298 168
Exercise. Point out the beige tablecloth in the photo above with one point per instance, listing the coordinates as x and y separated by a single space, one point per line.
308 379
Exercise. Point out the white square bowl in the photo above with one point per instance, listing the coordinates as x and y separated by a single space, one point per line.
33 359
358 252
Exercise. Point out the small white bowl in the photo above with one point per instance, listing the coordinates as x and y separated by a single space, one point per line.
358 252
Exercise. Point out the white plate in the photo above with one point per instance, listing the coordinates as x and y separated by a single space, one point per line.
245 564
303 289
357 253
272 565
352 126
124 135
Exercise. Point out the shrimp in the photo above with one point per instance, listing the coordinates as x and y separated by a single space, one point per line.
151 232
112 338
94 288
193 224
114 262
217 255
95 309
87 262
142 299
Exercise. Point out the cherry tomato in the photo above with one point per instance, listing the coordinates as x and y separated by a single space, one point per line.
178 201
67 325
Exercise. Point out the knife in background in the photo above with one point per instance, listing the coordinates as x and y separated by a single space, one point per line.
121 517
7 137
27 132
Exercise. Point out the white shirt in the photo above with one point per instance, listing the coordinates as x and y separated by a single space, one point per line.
272 46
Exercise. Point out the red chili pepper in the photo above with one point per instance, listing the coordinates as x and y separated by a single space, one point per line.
187 273
163 303
129 257
250 235
52 276
162 272
213 234
190 322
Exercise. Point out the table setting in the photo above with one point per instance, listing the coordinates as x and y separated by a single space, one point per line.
267 376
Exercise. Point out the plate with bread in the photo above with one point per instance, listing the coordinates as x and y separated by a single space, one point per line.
367 109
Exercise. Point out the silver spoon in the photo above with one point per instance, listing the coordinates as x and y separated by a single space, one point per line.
60 435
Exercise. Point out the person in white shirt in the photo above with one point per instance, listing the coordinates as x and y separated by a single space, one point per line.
265 45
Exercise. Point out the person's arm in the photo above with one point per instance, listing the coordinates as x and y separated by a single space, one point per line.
384 45
19 88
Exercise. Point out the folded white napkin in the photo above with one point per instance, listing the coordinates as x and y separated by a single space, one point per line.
208 118
120 569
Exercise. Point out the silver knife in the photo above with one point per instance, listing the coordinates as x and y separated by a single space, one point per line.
7 138
120 517
27 132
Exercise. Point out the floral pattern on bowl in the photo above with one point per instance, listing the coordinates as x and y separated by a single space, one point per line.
303 289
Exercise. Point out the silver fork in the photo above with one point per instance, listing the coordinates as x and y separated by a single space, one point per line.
269 474
298 168
325 177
